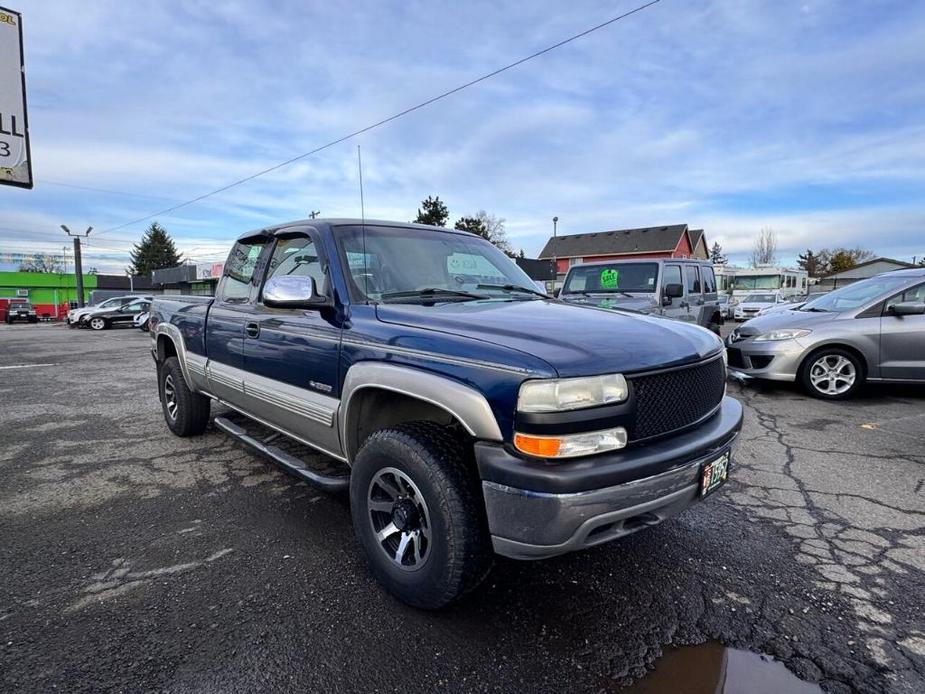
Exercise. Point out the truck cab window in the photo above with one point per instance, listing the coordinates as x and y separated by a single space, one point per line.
297 256
709 280
239 272
671 274
692 275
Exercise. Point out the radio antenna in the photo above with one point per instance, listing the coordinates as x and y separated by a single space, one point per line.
363 224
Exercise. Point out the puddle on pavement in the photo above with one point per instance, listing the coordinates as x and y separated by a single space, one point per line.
711 668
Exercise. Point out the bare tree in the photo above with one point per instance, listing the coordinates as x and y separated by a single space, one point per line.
496 232
764 251
42 262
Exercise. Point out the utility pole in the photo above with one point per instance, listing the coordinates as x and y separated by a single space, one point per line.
313 214
78 267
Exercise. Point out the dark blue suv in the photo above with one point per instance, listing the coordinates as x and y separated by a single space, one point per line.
473 414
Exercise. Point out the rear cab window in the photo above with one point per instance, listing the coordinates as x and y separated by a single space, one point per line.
238 278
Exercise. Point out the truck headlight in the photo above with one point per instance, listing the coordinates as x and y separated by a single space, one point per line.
779 335
571 445
557 395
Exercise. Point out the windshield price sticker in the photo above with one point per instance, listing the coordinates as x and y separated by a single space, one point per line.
610 279
15 162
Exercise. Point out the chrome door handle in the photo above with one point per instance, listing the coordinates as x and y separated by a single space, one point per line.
252 329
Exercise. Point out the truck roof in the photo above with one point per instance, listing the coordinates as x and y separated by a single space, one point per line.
333 222
700 261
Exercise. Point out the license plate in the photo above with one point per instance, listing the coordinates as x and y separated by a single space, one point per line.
714 474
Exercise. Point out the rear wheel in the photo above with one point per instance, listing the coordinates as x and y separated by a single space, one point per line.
186 412
832 374
418 514
97 323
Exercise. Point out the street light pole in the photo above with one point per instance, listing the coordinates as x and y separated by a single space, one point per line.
555 253
78 267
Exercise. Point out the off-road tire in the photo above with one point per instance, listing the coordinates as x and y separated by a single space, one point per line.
191 415
459 553
805 376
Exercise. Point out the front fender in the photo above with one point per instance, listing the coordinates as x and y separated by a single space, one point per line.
464 403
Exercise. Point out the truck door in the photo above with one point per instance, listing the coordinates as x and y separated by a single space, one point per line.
291 355
671 274
693 294
902 339
229 312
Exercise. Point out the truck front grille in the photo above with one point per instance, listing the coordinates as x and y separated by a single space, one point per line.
670 400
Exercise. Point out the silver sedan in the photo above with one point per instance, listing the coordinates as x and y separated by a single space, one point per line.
872 330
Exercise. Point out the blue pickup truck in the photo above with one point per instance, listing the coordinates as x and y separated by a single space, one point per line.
473 414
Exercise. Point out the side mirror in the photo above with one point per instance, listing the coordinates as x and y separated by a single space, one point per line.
908 308
287 291
674 291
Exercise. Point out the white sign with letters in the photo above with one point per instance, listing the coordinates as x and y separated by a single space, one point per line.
15 159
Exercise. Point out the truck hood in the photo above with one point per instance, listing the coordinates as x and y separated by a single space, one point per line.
573 340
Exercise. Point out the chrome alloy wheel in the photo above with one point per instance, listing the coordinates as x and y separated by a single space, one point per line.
400 519
170 397
97 323
832 374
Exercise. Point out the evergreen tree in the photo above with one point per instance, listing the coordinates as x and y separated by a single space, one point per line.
716 254
813 263
473 225
155 251
433 212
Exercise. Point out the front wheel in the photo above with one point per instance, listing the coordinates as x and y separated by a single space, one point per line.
832 374
418 514
186 412
99 324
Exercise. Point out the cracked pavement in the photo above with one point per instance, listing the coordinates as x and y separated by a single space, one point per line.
133 560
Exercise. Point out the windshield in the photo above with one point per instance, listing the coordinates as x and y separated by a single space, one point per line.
759 299
612 277
109 303
855 295
404 264
757 281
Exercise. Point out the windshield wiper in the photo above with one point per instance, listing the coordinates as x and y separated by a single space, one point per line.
603 291
513 288
813 309
429 292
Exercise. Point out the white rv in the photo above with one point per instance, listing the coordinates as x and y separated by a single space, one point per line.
740 281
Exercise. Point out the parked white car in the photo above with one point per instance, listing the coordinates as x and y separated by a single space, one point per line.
76 316
754 303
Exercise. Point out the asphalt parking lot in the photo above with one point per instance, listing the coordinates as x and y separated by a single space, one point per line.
131 560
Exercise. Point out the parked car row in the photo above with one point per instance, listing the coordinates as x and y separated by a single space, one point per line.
131 309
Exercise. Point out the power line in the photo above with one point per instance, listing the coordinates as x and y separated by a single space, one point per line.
45 181
382 122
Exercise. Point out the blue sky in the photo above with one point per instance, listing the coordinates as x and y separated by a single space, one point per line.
733 115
